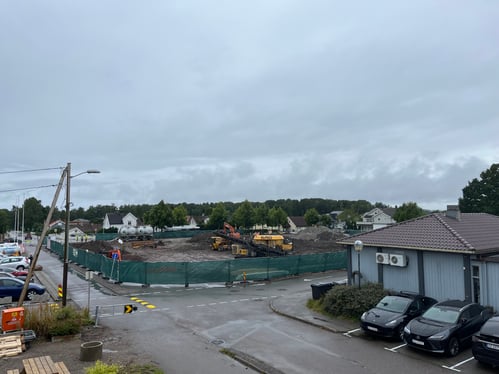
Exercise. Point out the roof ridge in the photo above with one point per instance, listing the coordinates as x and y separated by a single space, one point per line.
452 231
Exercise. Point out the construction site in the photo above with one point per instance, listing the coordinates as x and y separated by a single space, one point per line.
219 245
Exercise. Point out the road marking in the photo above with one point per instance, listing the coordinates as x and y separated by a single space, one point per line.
351 331
394 349
453 367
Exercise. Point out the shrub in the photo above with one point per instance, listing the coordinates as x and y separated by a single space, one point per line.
50 320
350 301
102 368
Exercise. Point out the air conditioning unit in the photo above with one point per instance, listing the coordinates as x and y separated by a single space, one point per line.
382 258
398 260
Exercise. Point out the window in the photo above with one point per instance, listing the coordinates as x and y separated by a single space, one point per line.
475 278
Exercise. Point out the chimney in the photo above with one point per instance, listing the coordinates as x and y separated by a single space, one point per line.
453 212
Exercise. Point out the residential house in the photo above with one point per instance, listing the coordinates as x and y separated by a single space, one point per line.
118 220
376 218
296 223
450 255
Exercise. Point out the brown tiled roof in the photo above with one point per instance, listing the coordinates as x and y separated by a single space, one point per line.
473 232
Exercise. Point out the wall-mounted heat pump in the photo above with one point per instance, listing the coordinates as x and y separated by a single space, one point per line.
398 260
382 258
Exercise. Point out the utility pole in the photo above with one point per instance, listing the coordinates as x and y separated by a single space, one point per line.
40 240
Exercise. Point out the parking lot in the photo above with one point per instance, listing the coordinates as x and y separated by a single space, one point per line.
462 363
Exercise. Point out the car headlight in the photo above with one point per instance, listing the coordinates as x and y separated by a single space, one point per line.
440 335
407 329
363 316
394 322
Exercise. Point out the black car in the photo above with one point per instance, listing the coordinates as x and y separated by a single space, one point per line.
485 345
392 313
446 326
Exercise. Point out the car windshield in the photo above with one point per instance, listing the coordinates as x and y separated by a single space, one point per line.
394 304
441 314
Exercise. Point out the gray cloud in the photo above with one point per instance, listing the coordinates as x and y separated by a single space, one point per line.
384 101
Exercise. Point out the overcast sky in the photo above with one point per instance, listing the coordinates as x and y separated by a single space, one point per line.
207 101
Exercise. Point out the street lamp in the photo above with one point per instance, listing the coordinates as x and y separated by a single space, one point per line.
358 245
66 233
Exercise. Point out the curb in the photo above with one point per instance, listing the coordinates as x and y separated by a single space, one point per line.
305 320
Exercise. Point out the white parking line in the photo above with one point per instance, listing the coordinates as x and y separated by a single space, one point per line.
453 367
351 331
394 349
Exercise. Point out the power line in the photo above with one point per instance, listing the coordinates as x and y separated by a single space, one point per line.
29 188
29 171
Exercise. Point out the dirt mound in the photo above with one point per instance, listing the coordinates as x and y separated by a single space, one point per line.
317 233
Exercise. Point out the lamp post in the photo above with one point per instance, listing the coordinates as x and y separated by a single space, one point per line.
66 231
358 245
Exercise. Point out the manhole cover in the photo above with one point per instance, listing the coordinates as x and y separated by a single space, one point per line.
282 289
217 341
234 290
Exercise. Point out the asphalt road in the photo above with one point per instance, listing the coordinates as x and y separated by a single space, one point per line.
185 329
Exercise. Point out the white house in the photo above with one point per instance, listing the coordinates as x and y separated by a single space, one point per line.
375 219
117 220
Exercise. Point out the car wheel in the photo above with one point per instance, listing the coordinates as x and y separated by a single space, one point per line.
20 267
453 347
30 295
400 333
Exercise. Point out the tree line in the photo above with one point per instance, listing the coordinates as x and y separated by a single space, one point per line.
480 195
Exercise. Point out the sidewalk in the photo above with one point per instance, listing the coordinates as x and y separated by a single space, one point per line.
295 306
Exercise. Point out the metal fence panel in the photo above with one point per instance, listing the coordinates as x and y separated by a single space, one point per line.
236 270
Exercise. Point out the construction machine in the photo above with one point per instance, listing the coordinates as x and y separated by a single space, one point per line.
273 241
257 246
219 243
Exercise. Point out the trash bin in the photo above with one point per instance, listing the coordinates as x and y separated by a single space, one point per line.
320 289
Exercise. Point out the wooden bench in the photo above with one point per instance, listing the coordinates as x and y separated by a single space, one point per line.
13 371
62 368
39 365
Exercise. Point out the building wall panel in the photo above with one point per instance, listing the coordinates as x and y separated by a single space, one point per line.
444 275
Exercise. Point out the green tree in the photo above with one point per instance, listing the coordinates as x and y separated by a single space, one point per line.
325 220
311 217
159 216
34 214
350 217
408 211
4 221
218 216
244 216
482 196
179 215
277 217
261 214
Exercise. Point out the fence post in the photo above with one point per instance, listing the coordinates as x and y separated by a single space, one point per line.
96 316
186 273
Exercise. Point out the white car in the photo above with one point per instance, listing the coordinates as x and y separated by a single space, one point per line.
17 262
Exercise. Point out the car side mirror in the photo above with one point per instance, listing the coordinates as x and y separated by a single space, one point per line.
463 320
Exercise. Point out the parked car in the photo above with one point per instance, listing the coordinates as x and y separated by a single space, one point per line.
12 269
13 287
389 317
485 344
19 262
22 275
446 326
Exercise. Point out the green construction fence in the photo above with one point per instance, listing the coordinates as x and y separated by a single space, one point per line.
185 273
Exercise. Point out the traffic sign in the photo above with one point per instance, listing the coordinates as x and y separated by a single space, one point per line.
129 308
